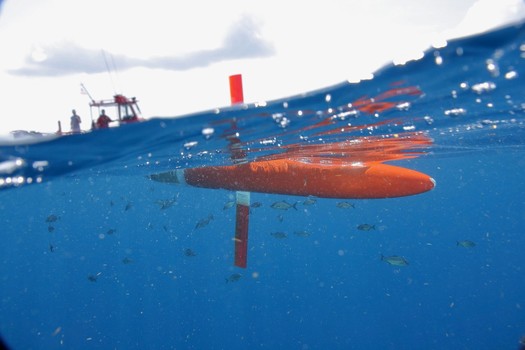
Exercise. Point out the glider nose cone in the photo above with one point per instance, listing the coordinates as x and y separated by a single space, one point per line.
394 181
433 183
416 182
422 183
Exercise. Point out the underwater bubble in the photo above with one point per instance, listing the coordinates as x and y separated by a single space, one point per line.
483 87
190 144
492 67
511 75
12 165
428 119
208 132
271 141
344 115
404 106
284 122
277 116
455 112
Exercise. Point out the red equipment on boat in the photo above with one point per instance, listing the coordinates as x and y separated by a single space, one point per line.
126 110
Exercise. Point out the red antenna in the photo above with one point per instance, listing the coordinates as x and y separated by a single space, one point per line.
242 198
236 93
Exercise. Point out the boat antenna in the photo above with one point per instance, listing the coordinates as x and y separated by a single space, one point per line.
110 70
83 90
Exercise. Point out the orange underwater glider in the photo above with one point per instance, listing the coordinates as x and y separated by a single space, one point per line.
300 178
311 170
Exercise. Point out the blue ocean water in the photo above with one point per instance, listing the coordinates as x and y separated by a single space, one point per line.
96 255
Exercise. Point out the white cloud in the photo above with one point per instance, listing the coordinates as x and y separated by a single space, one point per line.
242 41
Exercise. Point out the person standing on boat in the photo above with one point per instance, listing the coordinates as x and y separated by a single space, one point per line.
103 120
75 123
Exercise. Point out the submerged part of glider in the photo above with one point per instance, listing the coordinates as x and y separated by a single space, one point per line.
295 177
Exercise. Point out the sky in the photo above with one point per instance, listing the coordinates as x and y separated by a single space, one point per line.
176 59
